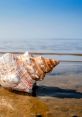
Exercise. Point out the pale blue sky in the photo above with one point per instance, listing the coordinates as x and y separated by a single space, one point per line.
30 19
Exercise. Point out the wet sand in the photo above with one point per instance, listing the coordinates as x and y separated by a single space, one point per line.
56 96
63 95
14 104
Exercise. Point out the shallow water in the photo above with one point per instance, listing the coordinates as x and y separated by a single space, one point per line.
60 93
53 46
45 45
50 45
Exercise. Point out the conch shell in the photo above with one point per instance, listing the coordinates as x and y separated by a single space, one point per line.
20 72
37 67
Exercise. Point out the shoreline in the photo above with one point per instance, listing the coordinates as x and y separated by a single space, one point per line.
55 96
62 94
58 95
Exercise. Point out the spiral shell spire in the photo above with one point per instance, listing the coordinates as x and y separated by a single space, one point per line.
20 72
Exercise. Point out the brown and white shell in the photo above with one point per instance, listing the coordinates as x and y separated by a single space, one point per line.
20 72
37 67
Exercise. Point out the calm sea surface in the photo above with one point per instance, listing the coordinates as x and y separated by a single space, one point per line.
50 45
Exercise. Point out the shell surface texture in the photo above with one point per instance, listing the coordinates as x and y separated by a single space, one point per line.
19 72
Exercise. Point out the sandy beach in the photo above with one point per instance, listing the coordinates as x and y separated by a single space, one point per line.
47 28
57 95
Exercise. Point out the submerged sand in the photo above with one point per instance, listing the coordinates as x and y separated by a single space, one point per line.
56 97
63 95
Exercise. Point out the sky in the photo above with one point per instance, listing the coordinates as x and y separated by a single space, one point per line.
40 19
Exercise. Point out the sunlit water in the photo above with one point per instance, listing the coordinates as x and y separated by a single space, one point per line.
49 45
52 45
59 83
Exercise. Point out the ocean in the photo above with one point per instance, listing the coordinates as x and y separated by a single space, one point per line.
51 46
61 88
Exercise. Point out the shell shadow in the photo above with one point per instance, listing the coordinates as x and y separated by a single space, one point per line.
57 92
